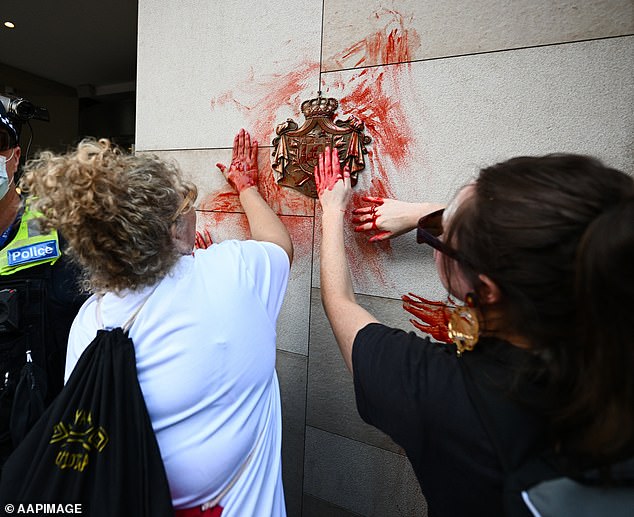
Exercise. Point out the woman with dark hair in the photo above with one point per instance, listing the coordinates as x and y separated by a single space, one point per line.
540 251
208 379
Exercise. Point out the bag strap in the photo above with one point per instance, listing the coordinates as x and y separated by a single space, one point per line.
216 500
128 324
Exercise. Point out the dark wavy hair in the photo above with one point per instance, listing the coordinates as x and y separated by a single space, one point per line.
556 234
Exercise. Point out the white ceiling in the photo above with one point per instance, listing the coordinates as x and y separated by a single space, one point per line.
73 42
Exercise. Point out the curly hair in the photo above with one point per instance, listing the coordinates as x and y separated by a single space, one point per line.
114 209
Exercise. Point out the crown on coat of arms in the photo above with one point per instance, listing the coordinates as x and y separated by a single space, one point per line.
319 107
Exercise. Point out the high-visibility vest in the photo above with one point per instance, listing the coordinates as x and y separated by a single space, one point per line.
30 246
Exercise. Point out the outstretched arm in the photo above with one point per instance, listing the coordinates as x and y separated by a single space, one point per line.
242 174
387 218
345 315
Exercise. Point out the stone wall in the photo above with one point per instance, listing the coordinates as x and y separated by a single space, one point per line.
444 88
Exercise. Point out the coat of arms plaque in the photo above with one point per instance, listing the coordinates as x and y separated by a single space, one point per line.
295 149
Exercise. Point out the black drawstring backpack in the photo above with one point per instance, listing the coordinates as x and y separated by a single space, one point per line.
94 445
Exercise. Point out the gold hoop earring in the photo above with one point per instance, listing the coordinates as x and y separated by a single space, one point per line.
463 326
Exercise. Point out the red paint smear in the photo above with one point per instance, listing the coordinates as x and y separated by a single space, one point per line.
285 90
368 100
390 130
262 115
281 200
386 122
366 256
381 49
222 99
210 222
276 91
236 226
382 114
389 44
221 201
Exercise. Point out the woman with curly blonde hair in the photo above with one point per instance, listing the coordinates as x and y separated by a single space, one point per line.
119 213
208 379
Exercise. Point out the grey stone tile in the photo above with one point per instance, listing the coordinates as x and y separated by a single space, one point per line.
361 478
215 194
205 70
292 323
314 507
375 32
331 404
291 372
390 268
450 117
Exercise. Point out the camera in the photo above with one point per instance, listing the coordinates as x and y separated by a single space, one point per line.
21 110
9 320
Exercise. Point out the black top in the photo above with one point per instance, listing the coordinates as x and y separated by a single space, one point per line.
47 298
420 393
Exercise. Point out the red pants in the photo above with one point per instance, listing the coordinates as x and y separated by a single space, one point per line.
215 511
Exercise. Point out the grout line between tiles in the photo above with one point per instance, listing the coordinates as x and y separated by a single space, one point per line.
484 52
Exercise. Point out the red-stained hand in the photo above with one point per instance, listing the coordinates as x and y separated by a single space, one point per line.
333 185
433 316
386 217
243 171
203 241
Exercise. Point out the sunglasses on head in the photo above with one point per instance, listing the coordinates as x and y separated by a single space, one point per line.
186 204
429 229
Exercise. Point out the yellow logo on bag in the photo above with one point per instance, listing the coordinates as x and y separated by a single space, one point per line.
78 438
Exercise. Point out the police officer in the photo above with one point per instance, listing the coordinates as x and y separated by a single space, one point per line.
39 298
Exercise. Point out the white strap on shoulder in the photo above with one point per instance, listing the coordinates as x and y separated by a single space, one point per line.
98 312
126 326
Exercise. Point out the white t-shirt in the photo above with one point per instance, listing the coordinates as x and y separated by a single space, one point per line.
205 355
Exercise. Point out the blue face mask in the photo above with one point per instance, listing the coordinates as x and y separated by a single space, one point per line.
5 182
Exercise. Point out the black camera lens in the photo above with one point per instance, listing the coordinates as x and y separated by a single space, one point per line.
23 109
20 110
